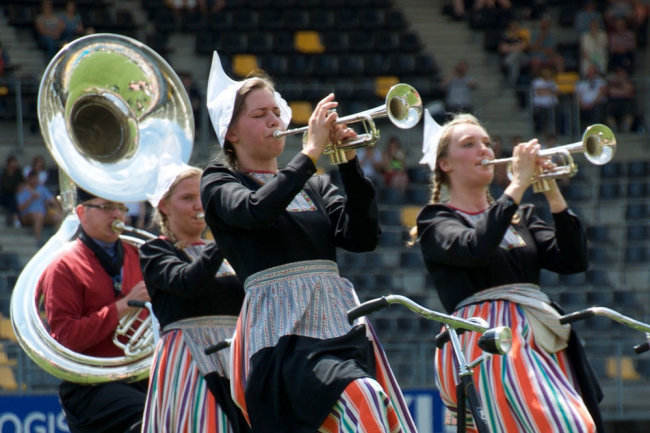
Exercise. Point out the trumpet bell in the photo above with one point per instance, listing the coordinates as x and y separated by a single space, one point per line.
599 144
108 101
403 106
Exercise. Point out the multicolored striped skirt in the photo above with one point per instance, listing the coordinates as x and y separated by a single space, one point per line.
526 390
310 299
178 399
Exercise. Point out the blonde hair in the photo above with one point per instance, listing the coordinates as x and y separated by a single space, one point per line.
439 179
159 218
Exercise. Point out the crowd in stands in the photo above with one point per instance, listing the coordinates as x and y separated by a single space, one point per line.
597 68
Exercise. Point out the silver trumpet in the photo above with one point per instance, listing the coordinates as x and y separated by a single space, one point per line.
598 144
403 107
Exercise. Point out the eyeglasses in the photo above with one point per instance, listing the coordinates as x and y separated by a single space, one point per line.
108 207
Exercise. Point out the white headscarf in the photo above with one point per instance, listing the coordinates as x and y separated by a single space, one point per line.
222 91
167 173
432 132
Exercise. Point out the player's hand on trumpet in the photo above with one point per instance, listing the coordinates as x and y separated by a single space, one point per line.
320 126
525 162
340 133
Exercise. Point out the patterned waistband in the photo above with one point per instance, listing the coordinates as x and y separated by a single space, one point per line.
307 267
202 322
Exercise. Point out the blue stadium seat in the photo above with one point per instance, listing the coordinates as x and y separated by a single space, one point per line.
635 211
9 261
610 191
635 255
612 170
598 277
637 190
634 233
638 168
598 234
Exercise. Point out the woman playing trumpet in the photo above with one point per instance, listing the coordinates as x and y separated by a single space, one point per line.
485 258
279 229
196 297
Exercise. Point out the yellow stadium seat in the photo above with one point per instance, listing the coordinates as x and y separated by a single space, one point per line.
244 64
383 84
623 367
7 378
566 81
408 215
301 111
6 330
308 42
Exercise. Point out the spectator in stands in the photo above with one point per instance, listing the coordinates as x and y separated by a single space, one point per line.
588 13
37 165
12 179
459 88
594 49
622 46
485 258
49 27
513 49
545 101
394 165
293 339
5 85
618 9
621 101
211 7
86 290
543 48
37 207
136 215
196 298
371 161
591 92
73 24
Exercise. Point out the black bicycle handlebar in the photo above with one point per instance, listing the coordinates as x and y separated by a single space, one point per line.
643 347
216 347
367 308
578 315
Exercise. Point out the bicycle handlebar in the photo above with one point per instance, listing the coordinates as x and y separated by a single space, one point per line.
615 316
367 308
217 347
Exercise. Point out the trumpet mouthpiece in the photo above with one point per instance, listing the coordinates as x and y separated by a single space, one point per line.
117 226
277 134
200 215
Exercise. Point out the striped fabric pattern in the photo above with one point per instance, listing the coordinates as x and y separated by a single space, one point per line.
307 290
526 390
178 399
363 407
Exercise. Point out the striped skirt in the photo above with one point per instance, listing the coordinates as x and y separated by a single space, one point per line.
310 299
178 399
526 390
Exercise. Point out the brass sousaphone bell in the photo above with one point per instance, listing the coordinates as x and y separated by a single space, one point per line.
109 108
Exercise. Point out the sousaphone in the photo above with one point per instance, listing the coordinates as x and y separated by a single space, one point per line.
109 108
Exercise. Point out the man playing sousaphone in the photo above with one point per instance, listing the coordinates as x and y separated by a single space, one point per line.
86 290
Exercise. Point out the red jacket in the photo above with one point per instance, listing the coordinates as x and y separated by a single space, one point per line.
80 301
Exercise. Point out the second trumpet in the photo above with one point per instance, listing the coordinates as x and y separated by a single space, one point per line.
403 107
598 144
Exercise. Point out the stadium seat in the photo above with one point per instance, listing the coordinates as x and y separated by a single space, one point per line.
322 19
637 190
244 64
637 233
308 42
301 112
383 84
260 42
638 168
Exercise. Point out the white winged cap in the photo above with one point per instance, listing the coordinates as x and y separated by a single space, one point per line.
167 173
430 141
221 94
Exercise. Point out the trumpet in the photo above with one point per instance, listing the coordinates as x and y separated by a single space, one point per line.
403 107
598 144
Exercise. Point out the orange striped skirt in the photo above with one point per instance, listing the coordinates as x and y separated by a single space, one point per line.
526 390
